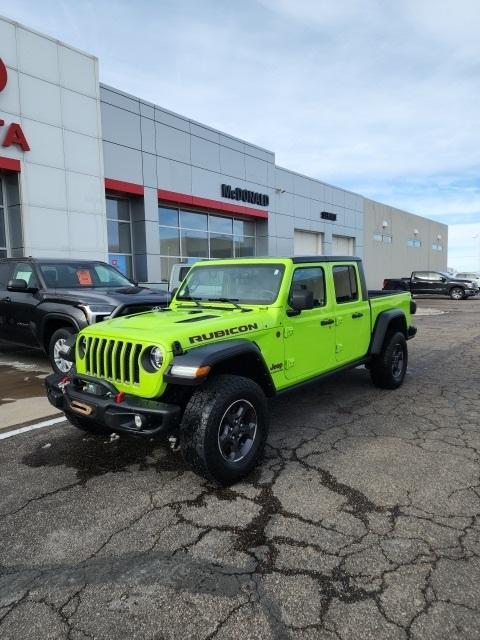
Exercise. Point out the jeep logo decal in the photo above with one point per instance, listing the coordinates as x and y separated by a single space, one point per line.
223 332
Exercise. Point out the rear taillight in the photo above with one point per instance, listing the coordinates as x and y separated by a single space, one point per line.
385 283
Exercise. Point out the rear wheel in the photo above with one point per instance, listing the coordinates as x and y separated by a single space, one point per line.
457 293
55 346
89 426
224 428
388 368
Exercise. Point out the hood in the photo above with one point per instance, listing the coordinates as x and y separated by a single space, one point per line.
190 326
111 296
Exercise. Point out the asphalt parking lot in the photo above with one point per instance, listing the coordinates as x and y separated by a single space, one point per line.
362 523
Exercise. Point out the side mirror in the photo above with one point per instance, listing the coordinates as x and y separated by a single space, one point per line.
173 292
17 285
301 300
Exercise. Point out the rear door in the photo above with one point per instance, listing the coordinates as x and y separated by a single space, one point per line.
310 335
352 314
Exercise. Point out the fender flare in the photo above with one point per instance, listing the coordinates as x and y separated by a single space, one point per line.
216 353
55 315
381 327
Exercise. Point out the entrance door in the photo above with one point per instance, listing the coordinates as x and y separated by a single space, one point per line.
310 335
352 315
343 246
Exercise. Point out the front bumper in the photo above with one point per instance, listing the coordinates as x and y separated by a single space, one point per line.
105 405
471 292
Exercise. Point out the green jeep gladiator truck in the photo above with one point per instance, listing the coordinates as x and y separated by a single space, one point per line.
237 332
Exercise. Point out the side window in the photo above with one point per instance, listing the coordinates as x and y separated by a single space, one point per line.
345 281
421 275
24 271
4 274
435 277
312 279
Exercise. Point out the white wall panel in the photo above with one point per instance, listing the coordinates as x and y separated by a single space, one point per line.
40 100
37 55
78 72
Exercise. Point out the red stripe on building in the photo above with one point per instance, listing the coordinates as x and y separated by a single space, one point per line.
215 205
124 187
10 164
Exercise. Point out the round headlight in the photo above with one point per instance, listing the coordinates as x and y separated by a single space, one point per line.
156 358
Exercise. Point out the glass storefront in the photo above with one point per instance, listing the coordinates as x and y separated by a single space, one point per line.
119 230
187 236
11 234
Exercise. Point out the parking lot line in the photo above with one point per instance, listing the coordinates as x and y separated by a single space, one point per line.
32 427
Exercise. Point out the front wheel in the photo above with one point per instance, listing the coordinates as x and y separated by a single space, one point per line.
457 293
224 428
55 347
388 368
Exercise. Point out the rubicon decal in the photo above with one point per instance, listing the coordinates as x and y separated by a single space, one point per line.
222 333
3 75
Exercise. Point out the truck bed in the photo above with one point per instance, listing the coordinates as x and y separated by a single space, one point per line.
385 300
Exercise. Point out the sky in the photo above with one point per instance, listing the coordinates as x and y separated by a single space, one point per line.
381 97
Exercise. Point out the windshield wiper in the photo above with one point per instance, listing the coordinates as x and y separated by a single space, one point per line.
191 299
233 301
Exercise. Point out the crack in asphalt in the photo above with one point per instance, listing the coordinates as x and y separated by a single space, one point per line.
311 542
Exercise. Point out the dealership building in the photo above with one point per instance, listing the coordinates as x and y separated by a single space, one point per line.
88 171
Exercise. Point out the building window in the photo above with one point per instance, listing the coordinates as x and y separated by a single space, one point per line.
119 230
414 243
437 247
379 237
187 236
11 234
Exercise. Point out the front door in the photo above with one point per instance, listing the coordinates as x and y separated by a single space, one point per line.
310 335
420 282
352 315
5 270
20 306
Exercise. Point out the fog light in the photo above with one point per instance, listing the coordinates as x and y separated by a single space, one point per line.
138 421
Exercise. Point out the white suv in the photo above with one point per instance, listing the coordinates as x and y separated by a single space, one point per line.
469 275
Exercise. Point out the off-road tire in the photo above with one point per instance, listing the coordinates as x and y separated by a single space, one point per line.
383 372
88 426
457 293
59 334
199 431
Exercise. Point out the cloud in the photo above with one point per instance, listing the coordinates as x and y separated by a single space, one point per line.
379 97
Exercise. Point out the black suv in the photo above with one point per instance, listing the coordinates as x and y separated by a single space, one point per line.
43 302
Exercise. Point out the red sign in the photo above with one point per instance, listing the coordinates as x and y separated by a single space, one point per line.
14 133
3 75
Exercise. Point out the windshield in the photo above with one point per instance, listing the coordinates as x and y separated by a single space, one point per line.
247 283
68 275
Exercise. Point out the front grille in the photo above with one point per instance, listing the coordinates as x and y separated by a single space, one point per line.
113 360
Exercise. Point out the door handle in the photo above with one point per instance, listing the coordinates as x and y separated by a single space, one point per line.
326 322
357 315
7 299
